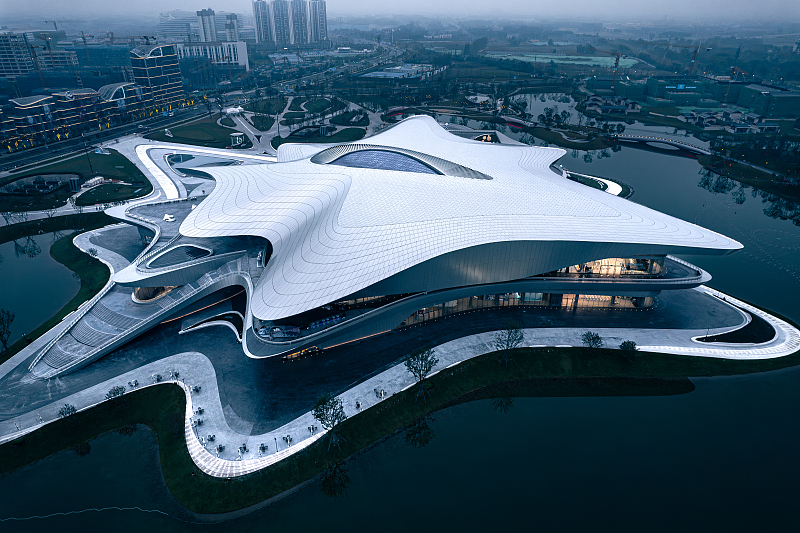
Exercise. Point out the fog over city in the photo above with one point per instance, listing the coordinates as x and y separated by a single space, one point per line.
687 10
345 265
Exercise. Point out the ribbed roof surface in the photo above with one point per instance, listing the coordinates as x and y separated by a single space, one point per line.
336 230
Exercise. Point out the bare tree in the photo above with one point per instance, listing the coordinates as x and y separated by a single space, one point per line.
420 363
329 411
503 403
6 318
115 392
419 434
507 339
591 339
50 212
629 350
335 481
67 410
32 249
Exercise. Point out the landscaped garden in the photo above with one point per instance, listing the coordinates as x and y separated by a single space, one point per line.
341 136
351 118
93 273
204 132
112 165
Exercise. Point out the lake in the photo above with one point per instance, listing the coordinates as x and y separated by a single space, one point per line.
34 286
722 458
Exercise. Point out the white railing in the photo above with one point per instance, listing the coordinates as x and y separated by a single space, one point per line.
207 280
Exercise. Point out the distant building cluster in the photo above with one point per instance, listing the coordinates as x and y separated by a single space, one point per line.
156 87
730 120
407 71
709 93
290 22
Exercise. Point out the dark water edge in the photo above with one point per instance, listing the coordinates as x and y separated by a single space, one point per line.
720 457
627 463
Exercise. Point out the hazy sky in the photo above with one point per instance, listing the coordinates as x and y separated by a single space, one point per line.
705 10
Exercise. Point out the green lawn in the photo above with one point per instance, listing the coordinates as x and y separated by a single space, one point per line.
297 103
204 132
317 105
344 119
113 192
341 136
290 115
262 122
227 121
114 165
269 106
92 272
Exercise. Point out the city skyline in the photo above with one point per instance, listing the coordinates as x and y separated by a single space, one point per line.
739 10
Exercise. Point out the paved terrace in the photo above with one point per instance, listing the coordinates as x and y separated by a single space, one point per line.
196 369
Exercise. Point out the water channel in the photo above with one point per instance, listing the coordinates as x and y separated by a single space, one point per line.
33 285
723 457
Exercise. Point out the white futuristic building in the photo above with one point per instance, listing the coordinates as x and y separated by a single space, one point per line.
336 243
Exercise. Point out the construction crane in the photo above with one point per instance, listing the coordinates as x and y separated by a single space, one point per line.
694 47
133 38
32 49
734 71
616 62
47 39
88 59
54 23
49 48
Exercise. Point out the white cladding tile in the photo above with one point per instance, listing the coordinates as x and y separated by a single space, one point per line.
336 230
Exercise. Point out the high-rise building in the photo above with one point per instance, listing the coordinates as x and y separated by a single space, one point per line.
208 25
281 22
290 22
231 27
15 55
318 18
262 14
156 69
299 22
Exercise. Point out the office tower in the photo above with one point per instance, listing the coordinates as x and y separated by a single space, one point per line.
156 69
290 22
208 25
299 22
318 17
262 13
231 27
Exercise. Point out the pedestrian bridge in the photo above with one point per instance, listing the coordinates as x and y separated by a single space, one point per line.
663 140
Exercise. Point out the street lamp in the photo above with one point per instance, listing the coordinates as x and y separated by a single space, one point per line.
89 159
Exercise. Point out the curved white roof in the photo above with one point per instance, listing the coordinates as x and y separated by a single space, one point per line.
336 229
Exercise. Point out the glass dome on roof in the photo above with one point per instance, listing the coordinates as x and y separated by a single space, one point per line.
383 160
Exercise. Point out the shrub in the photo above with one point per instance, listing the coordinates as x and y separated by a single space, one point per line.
591 339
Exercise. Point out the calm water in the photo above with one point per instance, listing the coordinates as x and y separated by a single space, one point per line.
722 458
33 285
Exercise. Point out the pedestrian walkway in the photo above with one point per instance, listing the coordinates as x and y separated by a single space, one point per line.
243 453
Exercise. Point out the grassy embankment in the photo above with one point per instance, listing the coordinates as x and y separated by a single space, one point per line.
749 176
114 165
345 135
93 274
345 119
203 132
538 372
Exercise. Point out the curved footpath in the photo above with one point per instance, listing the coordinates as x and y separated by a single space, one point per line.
195 369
